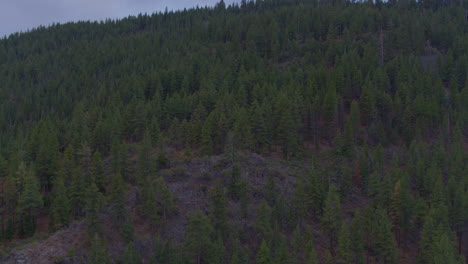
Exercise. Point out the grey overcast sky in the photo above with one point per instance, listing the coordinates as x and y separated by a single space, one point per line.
21 15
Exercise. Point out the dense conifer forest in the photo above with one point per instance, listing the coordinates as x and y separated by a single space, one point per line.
269 132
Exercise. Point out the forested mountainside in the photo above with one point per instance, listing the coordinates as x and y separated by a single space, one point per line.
275 131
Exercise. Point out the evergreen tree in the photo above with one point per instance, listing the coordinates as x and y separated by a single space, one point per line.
331 219
329 112
144 161
77 194
355 119
367 104
217 252
164 197
47 159
384 241
93 206
30 198
97 171
264 218
117 197
357 244
60 208
218 210
311 253
206 141
344 251
263 254
198 237
131 255
98 253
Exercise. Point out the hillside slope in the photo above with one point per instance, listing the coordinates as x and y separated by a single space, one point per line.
272 131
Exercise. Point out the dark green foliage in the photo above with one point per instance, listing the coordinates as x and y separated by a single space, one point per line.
77 194
145 162
357 243
165 252
29 201
218 210
164 197
47 158
378 235
236 185
97 171
264 254
60 208
198 238
331 219
131 256
98 253
264 218
93 208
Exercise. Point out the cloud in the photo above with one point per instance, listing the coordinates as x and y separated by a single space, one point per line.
22 15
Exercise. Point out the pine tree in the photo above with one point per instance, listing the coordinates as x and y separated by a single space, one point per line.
331 219
395 210
271 190
217 252
144 161
344 251
263 254
60 208
150 202
206 140
241 129
355 119
384 241
68 165
97 171
329 112
117 197
98 253
357 245
444 251
131 255
261 135
218 210
47 159
77 194
164 197
264 218
367 104
311 253
117 204
235 183
30 198
93 206
198 237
